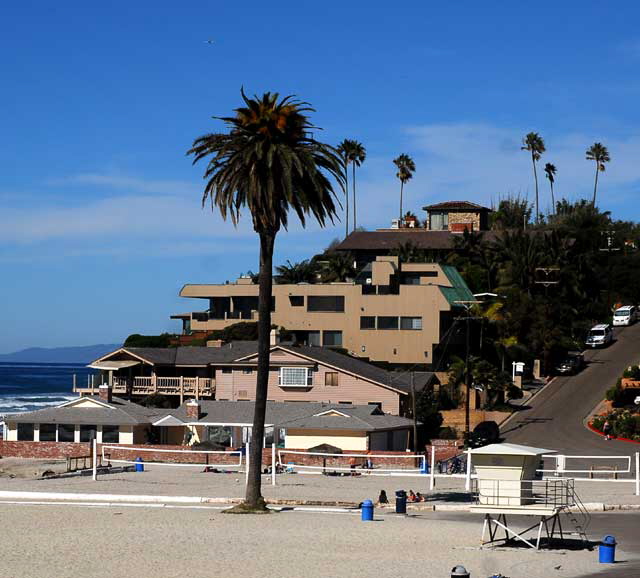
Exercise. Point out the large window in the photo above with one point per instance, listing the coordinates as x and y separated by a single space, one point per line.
295 377
332 338
25 432
439 221
47 432
110 434
410 322
88 432
296 300
328 303
66 432
313 338
331 378
387 323
367 322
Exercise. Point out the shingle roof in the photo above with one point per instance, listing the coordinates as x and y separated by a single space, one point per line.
456 206
295 415
194 355
396 380
119 412
388 240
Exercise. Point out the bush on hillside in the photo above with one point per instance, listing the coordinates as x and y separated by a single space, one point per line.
137 340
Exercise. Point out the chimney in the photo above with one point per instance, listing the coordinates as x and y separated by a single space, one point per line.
105 393
274 337
193 409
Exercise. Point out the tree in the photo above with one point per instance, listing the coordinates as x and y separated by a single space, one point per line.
513 212
269 163
534 143
406 168
355 154
343 150
550 171
600 155
302 272
337 267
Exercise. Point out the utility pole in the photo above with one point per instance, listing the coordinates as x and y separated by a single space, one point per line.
609 234
415 417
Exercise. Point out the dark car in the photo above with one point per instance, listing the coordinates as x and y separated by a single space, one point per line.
571 364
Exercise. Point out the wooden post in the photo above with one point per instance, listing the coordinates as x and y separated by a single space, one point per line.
181 390
154 382
197 387
432 481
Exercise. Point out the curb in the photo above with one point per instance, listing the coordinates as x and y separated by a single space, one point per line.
590 426
151 500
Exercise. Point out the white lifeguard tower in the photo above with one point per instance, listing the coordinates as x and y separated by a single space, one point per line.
508 482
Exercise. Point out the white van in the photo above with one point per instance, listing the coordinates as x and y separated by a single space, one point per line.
624 315
599 336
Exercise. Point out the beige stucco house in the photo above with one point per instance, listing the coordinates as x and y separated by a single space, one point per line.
392 312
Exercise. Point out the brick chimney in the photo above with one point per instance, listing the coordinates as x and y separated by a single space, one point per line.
193 409
274 337
105 392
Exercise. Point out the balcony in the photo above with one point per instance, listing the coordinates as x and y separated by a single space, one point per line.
204 316
182 386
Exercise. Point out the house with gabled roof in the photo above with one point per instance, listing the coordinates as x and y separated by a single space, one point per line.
228 372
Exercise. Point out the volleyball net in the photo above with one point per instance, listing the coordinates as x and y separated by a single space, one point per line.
292 461
224 460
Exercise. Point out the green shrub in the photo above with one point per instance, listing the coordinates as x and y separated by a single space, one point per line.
448 433
632 372
137 340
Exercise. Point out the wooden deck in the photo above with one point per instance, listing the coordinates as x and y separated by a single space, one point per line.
183 386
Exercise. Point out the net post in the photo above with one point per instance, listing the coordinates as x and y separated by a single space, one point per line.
467 479
247 449
94 458
273 464
432 480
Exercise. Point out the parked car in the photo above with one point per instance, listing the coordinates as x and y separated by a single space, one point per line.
624 315
599 336
571 364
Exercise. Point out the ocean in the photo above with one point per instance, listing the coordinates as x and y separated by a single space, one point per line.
30 386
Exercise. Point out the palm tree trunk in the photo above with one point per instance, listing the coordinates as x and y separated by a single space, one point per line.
553 201
401 187
595 186
346 196
535 178
253 496
353 188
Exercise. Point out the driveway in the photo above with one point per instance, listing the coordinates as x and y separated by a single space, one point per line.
555 417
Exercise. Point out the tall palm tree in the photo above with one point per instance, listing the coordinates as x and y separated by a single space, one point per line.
343 150
598 153
550 171
406 168
534 143
354 153
269 163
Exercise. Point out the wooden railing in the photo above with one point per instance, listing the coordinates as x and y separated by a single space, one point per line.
190 386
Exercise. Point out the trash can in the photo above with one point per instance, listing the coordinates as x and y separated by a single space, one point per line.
459 572
401 502
367 511
139 464
424 469
607 550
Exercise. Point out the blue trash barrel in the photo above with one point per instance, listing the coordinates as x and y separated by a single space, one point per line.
425 467
139 464
607 550
367 511
401 502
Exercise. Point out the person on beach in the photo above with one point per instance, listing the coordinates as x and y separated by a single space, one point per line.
411 497
606 430
368 464
382 498
352 466
419 497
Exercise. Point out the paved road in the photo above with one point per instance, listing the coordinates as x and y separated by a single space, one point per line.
556 416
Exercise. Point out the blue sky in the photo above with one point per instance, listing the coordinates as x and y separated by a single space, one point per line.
100 218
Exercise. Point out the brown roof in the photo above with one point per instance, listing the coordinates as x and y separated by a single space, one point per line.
393 238
456 206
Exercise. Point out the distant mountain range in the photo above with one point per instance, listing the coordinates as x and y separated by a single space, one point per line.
83 354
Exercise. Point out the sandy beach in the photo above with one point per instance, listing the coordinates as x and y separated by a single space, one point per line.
70 541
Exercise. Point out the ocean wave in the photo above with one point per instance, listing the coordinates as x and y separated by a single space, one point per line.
15 404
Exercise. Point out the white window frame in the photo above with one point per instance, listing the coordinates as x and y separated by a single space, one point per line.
307 380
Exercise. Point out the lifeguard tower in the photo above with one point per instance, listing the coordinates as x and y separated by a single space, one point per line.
508 483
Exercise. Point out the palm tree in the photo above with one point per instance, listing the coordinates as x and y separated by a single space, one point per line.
598 153
352 152
343 150
406 167
534 143
269 163
302 272
550 171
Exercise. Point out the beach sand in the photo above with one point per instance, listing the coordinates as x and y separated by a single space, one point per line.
71 541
